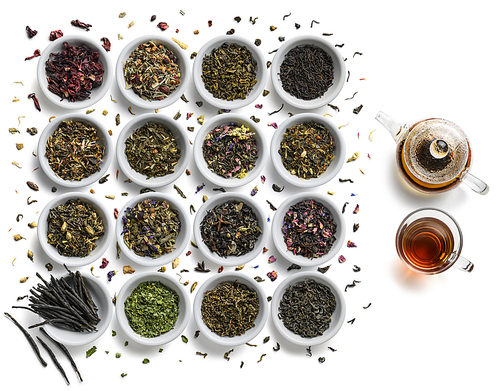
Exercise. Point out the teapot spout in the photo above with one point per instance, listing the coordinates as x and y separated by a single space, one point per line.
394 127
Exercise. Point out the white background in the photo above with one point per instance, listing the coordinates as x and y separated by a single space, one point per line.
419 59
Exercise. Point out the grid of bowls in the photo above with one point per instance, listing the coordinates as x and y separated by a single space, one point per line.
96 287
277 234
334 167
222 120
212 283
339 72
231 260
97 93
207 49
180 242
102 243
104 140
169 282
177 132
182 62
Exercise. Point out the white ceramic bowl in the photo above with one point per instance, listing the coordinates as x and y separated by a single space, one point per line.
182 62
212 283
338 315
339 72
169 282
180 136
231 260
180 242
226 119
206 50
102 300
104 139
335 165
97 93
280 244
102 243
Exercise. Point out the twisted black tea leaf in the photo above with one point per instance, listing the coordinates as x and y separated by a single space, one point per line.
306 308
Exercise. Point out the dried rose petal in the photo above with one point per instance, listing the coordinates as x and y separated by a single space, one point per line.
342 259
351 244
272 275
104 263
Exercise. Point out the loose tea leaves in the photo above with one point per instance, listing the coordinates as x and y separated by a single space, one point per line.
230 150
307 149
230 309
74 228
152 71
152 151
152 309
230 229
306 308
306 72
74 72
309 229
73 150
229 72
150 228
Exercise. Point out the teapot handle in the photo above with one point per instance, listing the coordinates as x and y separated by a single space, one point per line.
475 184
391 125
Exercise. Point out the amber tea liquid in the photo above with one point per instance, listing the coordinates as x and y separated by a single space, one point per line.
427 244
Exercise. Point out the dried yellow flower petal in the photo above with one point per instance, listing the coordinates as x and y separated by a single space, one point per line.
354 156
175 263
127 269
181 44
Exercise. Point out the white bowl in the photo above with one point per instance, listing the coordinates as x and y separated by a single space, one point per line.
280 244
231 260
338 315
169 282
335 165
104 139
180 242
339 72
182 142
182 62
97 93
206 50
212 283
102 300
226 119
102 243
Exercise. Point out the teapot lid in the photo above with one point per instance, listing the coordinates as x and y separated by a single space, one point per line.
436 151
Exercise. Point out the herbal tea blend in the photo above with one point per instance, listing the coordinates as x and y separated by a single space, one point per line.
152 72
74 72
306 308
73 150
230 229
230 309
229 72
150 228
152 151
74 228
309 229
152 309
230 150
306 72
307 149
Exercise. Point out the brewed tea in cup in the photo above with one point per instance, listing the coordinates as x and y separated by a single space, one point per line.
429 241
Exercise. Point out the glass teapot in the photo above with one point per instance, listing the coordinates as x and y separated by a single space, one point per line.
433 155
